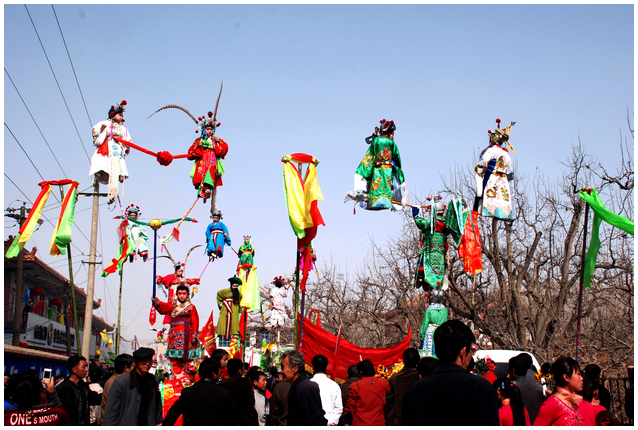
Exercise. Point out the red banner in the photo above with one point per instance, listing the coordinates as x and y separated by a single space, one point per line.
318 341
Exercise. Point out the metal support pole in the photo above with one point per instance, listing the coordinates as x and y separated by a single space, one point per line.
17 314
297 300
582 286
90 285
119 315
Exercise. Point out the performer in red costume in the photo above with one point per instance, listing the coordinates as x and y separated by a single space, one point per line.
183 344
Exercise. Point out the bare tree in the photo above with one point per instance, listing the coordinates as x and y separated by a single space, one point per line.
526 296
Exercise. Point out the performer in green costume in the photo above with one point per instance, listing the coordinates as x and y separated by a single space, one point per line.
435 315
379 178
228 301
435 229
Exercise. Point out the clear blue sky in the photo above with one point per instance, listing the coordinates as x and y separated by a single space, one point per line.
299 78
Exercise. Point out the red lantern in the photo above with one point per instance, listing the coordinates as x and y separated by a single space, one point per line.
37 291
57 301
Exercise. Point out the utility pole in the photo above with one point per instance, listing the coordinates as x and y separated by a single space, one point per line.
90 287
17 314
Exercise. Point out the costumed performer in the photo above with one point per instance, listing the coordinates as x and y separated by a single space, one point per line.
228 302
495 177
379 178
217 236
247 271
278 296
432 266
135 232
435 315
107 163
172 281
207 151
183 345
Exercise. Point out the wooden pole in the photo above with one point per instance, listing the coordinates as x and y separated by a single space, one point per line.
17 313
119 315
297 300
72 287
90 287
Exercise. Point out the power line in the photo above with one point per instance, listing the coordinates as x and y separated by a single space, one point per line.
36 124
56 81
25 153
76 76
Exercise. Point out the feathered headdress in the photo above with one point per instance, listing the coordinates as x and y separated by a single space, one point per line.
202 121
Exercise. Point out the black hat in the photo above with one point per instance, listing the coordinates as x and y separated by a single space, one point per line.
235 280
143 353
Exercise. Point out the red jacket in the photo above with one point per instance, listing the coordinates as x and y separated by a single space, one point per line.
366 401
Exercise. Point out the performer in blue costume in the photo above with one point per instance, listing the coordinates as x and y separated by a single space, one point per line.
216 236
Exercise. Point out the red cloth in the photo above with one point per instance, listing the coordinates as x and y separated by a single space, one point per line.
470 245
490 377
554 412
318 341
172 391
366 401
506 418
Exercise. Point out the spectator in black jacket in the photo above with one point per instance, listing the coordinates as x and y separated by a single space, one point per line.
304 402
451 395
205 403
74 393
241 392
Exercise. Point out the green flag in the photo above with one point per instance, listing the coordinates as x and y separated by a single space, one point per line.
600 213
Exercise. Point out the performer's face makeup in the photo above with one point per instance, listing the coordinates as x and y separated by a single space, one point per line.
209 131
179 272
216 218
132 215
181 295
118 117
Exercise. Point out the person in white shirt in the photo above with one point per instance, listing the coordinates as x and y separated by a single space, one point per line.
329 390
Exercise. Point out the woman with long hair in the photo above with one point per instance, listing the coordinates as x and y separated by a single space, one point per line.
565 407
512 412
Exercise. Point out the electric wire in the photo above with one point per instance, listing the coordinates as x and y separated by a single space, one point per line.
56 81
36 124
72 67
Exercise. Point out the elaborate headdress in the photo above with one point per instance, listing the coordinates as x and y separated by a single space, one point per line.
279 281
204 122
437 295
386 129
179 265
118 108
133 209
211 121
217 213
501 136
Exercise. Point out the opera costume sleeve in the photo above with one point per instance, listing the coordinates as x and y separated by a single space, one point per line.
366 167
422 224
194 321
221 296
396 160
164 308
195 151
